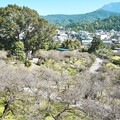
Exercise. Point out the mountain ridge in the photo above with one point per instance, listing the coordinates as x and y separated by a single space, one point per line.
112 7
63 19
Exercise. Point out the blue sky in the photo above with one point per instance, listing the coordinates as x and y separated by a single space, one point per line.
45 7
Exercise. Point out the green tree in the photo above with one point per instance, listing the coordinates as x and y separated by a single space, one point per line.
17 49
23 24
70 44
96 44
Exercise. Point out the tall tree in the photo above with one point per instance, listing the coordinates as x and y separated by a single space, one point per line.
23 24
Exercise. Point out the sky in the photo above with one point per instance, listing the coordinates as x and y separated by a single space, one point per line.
48 7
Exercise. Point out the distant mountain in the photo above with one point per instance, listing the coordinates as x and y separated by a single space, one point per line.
112 7
63 20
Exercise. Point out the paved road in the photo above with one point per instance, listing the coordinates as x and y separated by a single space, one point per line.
96 65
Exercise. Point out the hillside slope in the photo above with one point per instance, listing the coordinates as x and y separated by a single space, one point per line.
63 20
107 24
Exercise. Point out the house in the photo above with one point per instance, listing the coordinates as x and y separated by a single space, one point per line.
117 50
107 43
86 42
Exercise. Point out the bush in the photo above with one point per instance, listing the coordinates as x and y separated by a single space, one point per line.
27 63
105 53
85 49
116 60
40 62
111 66
71 71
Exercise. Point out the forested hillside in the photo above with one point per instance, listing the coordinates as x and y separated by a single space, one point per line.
107 24
62 20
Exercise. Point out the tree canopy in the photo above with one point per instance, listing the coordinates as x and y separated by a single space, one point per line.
97 44
70 44
25 25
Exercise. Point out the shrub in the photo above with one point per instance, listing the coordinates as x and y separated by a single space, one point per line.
71 71
85 49
40 62
105 53
27 63
56 66
116 60
46 47
111 65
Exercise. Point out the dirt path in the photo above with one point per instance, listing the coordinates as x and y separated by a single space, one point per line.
96 65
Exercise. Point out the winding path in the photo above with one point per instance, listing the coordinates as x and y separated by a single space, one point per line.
96 65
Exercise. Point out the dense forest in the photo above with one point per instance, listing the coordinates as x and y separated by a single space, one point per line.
107 24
